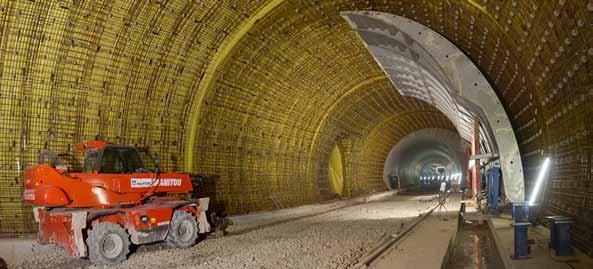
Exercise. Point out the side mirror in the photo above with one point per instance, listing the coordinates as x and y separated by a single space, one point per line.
155 160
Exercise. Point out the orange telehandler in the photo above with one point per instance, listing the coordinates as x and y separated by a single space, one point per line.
115 201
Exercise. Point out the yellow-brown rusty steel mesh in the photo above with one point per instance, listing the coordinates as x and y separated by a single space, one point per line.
259 92
122 69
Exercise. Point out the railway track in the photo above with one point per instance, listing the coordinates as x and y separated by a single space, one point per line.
390 241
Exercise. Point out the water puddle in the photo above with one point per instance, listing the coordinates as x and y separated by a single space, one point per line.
474 248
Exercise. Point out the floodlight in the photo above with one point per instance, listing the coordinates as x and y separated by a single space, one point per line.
539 181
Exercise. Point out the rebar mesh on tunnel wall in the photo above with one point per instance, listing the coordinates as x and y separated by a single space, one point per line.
129 69
75 69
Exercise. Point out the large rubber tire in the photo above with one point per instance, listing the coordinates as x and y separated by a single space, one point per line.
184 230
107 243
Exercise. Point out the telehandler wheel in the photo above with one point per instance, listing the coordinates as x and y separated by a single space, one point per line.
184 230
107 243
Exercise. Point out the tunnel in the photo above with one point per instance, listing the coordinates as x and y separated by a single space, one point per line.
281 104
424 158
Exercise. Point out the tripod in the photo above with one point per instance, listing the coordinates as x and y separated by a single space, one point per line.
442 199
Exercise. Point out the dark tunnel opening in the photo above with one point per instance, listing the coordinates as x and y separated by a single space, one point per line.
424 159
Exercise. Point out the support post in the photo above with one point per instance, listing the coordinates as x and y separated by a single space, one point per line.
493 176
563 247
520 212
553 232
475 150
551 220
521 245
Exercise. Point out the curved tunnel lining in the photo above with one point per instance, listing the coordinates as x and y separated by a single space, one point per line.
462 81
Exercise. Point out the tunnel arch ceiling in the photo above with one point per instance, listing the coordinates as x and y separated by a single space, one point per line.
131 70
423 64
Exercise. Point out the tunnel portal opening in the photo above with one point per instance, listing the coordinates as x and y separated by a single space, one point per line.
425 159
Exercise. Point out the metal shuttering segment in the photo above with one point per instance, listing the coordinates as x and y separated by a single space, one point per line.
423 64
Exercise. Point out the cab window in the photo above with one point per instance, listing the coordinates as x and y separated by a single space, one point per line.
132 161
121 160
111 162
146 159
90 162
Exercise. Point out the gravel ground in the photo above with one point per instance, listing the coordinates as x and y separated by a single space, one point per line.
331 240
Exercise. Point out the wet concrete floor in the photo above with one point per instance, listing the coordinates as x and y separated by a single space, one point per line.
474 248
